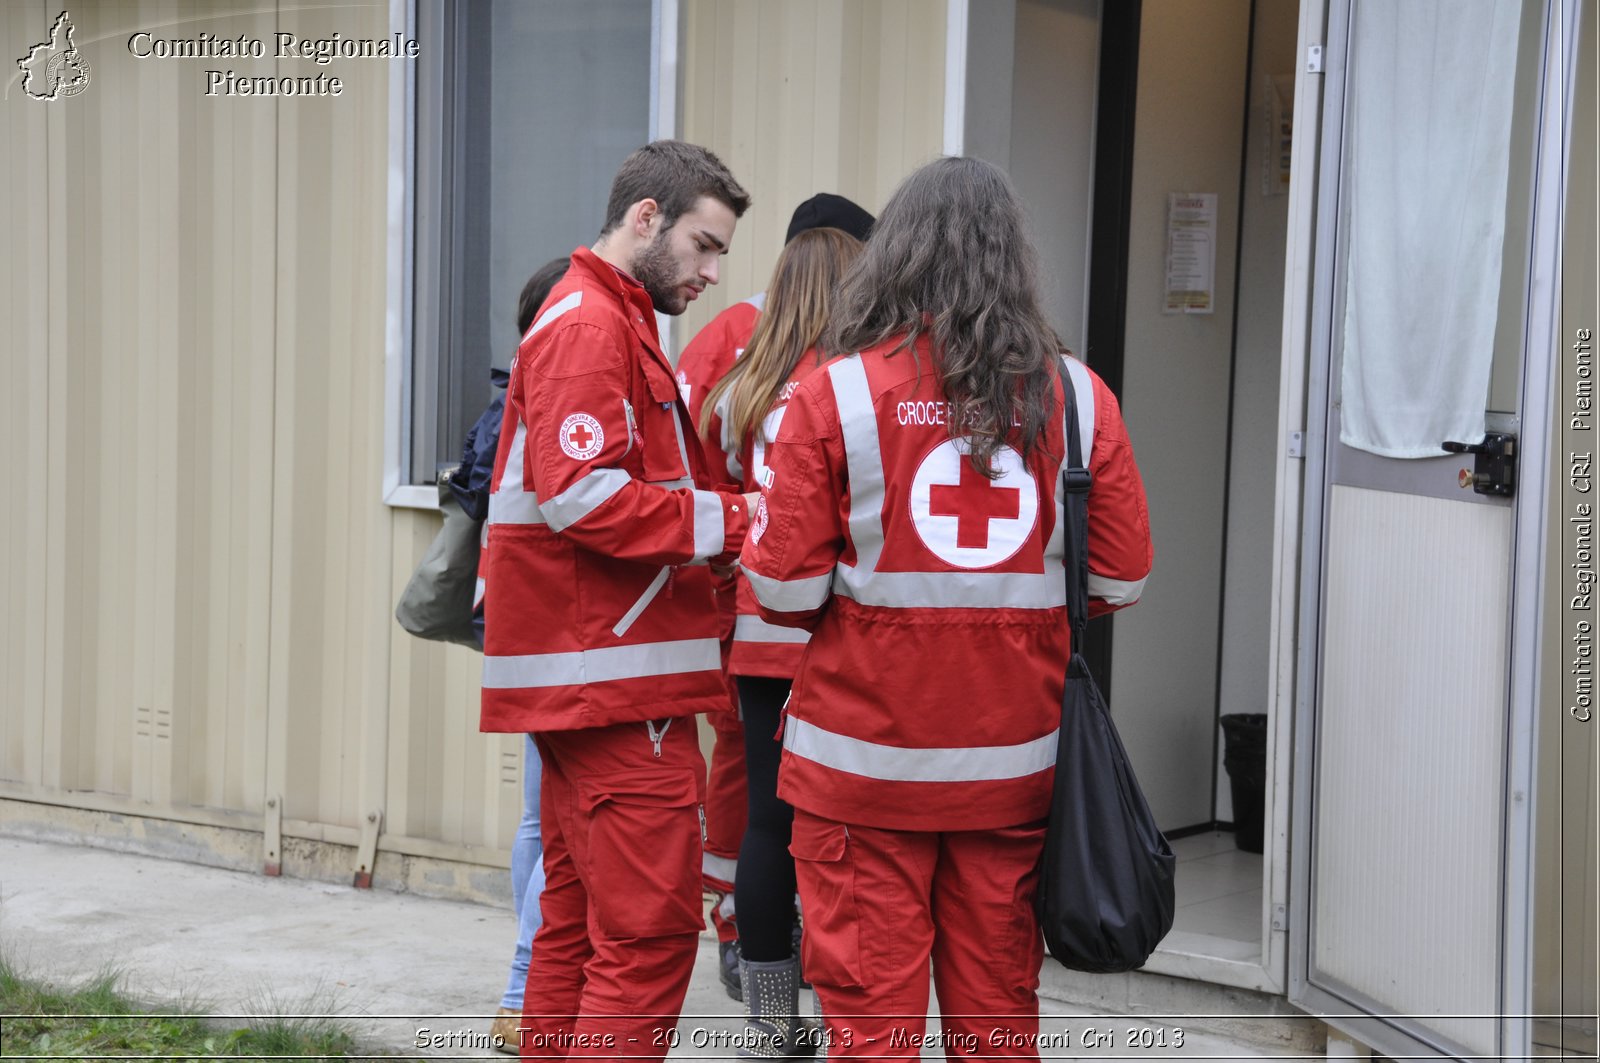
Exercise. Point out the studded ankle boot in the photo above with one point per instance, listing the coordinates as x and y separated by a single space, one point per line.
772 1027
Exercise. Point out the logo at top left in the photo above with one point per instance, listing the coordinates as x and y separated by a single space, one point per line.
55 68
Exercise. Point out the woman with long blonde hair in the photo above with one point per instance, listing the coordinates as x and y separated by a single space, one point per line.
742 416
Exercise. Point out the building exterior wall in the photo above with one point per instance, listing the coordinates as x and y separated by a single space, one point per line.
202 622
200 618
800 97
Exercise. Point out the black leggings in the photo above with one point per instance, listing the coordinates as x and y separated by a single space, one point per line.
763 889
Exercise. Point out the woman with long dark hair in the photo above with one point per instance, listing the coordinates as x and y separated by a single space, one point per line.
746 409
913 522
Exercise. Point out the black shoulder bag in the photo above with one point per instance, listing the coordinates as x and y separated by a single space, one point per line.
1106 881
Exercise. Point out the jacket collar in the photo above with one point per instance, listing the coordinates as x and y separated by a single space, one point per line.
633 302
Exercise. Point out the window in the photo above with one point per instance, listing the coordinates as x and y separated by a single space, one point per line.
517 118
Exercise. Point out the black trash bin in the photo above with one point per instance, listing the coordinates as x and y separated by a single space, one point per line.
1245 757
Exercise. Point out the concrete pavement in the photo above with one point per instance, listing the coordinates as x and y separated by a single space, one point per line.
390 965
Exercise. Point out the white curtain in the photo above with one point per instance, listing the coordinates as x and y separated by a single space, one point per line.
1429 146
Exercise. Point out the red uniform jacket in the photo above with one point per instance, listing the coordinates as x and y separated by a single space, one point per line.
714 349
706 360
930 695
597 507
759 647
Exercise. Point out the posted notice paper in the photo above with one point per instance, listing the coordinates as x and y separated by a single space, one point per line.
1191 253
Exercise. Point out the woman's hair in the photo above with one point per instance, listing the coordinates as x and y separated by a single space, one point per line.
948 260
792 320
537 290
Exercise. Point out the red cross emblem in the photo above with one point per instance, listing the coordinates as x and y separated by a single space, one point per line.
966 518
581 437
974 502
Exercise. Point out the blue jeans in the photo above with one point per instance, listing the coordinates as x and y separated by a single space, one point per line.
527 875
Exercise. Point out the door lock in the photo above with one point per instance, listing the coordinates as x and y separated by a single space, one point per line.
1494 470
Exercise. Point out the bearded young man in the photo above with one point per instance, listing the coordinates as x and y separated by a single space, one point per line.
601 634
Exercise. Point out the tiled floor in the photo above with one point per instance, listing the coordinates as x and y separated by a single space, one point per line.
1219 889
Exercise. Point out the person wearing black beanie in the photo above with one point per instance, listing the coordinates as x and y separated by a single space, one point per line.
828 211
704 362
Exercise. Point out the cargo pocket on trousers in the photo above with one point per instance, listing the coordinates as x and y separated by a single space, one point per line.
830 949
644 853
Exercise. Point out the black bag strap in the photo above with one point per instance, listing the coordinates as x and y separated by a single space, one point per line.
1075 503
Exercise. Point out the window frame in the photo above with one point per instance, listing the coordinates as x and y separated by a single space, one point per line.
404 486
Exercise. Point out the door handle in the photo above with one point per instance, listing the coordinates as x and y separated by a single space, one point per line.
1494 470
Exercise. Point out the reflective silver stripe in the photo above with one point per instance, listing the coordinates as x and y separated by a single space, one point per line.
597 487
755 629
601 665
683 448
730 445
513 475
953 590
511 503
514 507
710 532
899 764
569 303
719 867
1055 548
1083 392
789 596
644 601
858 423
1115 591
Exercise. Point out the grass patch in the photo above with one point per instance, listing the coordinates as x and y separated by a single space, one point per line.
96 1020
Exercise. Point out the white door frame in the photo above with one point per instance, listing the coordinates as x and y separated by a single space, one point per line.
1395 1036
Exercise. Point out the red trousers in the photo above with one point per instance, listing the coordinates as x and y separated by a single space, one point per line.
725 803
881 904
725 820
621 901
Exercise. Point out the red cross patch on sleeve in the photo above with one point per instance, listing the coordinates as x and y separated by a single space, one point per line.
581 437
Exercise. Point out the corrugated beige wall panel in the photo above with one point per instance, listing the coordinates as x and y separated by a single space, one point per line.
112 303
909 70
99 529
449 781
236 272
164 531
65 228
799 97
25 605
329 641
416 671
199 381
151 217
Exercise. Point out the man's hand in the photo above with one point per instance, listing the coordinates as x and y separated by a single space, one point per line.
725 571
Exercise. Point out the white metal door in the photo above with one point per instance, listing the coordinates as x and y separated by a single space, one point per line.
1419 596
